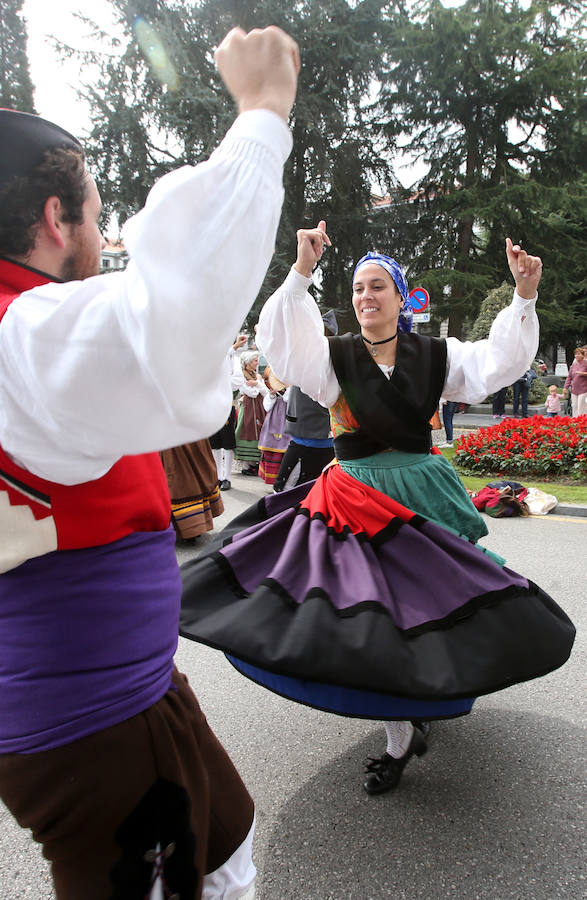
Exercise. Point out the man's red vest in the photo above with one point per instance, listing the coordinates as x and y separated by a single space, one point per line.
132 496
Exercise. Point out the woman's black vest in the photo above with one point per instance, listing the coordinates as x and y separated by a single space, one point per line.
392 413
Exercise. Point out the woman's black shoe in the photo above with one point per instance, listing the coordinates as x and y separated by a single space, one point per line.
225 484
384 773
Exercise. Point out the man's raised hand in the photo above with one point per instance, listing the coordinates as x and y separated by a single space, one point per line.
260 69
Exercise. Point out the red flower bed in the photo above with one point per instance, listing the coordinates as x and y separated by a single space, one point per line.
548 447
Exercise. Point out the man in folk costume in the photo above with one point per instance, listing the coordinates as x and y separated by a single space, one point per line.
104 752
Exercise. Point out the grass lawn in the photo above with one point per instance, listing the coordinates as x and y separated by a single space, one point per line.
564 493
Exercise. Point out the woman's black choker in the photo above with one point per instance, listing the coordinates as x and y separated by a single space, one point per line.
374 344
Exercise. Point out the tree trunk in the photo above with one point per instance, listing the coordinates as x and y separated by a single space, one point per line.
455 320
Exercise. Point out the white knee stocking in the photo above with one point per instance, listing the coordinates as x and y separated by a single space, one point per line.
223 460
399 735
217 454
228 460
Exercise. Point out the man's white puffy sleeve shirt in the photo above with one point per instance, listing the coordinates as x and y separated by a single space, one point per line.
136 361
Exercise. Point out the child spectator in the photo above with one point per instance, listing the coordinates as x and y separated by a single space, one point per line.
553 401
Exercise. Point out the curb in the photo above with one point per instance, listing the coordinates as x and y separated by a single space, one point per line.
485 409
561 509
566 509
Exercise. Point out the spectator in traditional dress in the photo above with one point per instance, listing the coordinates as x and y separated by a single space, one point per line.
311 446
192 479
251 413
223 441
274 439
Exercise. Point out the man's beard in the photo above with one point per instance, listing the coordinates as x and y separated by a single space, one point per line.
79 265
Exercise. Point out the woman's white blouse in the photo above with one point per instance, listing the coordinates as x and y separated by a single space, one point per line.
250 390
291 333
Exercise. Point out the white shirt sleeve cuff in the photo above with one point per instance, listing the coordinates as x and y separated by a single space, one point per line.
524 306
264 126
296 282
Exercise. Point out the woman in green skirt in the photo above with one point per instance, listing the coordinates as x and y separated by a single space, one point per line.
250 414
366 593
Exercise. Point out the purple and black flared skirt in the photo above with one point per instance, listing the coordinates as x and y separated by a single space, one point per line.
337 596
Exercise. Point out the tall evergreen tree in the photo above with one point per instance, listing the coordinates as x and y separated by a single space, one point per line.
478 92
489 95
16 87
158 102
560 229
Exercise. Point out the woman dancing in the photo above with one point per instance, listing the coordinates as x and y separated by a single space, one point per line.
366 593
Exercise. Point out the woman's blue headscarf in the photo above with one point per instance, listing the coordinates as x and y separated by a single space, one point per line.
394 269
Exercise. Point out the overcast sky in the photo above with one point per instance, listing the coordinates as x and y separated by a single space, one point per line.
55 82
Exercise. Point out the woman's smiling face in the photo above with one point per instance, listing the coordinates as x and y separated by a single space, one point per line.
376 300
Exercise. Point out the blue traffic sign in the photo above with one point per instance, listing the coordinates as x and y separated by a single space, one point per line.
420 298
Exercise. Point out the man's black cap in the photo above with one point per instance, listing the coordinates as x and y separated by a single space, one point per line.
24 139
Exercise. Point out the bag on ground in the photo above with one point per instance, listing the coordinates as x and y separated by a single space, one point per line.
539 502
502 499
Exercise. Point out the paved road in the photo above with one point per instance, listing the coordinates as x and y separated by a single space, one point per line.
492 812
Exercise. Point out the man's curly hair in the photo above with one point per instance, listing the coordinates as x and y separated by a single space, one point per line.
61 173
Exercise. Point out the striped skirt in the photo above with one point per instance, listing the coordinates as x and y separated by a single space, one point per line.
193 485
250 418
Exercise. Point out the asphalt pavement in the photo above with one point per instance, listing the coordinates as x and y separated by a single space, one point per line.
493 811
